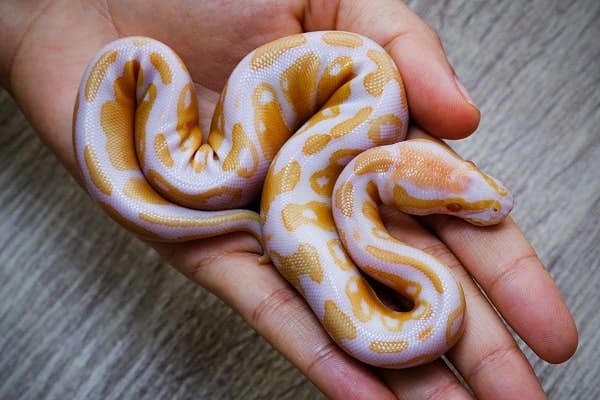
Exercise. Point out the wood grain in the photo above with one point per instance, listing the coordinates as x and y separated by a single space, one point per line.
87 311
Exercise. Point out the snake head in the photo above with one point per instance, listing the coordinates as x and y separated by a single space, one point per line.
479 199
430 178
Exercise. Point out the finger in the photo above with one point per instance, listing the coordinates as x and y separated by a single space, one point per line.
486 355
512 276
226 267
430 381
508 269
437 100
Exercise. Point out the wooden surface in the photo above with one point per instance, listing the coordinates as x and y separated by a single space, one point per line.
88 312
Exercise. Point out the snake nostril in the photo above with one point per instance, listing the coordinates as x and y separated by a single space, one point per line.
454 207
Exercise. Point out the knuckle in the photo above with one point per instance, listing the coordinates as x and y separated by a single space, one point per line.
280 303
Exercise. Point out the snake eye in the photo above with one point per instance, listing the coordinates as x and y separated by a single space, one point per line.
454 207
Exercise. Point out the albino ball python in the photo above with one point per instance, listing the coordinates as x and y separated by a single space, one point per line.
144 159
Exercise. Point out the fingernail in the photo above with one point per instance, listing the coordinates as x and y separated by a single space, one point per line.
464 92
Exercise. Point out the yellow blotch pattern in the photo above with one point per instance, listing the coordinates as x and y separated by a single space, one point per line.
378 123
452 337
394 258
343 39
366 305
98 177
386 72
268 54
193 200
312 213
425 333
336 76
217 124
140 189
187 222
339 255
305 261
323 181
98 73
276 183
375 161
337 323
387 347
349 125
142 114
240 143
330 110
117 120
344 199
187 119
404 200
269 122
315 144
163 68
299 84
161 148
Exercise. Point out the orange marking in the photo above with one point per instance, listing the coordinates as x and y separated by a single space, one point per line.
378 124
217 124
117 117
386 72
339 255
269 121
452 336
240 142
337 323
342 39
268 54
142 114
140 189
203 200
335 78
98 73
305 261
344 199
315 144
299 84
98 176
323 181
349 125
388 347
425 333
374 161
188 128
161 148
163 68
281 182
394 258
405 201
312 213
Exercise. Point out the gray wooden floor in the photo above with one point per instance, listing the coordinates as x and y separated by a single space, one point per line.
87 311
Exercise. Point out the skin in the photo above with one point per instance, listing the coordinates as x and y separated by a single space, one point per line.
45 48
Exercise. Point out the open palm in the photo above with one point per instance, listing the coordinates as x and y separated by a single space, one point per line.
57 42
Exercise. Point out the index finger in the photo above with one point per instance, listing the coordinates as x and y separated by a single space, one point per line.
438 102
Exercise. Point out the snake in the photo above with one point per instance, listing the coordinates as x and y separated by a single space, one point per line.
310 128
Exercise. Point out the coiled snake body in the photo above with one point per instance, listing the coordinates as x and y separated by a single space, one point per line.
318 119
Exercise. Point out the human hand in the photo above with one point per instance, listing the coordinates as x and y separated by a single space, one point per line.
499 258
